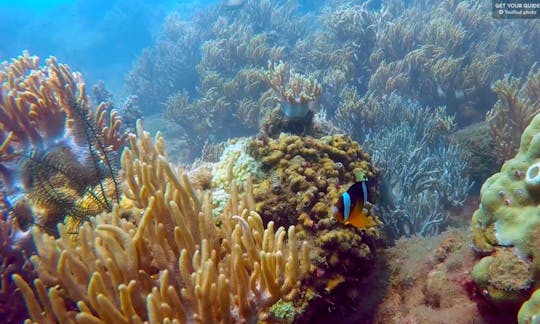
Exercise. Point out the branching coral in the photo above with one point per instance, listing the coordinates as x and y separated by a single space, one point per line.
164 259
452 59
169 65
517 105
293 88
423 173
67 148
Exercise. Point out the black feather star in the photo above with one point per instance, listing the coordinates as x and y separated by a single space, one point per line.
74 181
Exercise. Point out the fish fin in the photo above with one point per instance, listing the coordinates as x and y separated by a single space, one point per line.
360 219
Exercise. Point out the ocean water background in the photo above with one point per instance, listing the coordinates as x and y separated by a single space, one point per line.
100 38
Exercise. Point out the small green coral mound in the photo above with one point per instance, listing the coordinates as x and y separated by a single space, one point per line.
529 313
503 277
507 223
282 312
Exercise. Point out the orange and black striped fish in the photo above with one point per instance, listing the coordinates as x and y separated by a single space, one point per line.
350 207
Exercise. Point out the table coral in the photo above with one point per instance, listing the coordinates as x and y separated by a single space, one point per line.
508 219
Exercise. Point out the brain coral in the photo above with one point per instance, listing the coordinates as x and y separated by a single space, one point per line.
508 219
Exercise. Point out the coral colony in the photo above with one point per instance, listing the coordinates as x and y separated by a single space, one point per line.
309 167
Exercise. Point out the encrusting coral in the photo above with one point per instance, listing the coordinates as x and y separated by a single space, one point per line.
505 227
301 178
160 256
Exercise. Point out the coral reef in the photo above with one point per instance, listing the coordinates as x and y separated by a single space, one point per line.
337 52
505 226
224 86
424 173
449 58
477 143
58 154
427 280
297 94
169 65
304 176
302 179
517 104
529 312
296 181
159 256
15 247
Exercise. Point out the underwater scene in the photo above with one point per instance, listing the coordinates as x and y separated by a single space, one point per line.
270 161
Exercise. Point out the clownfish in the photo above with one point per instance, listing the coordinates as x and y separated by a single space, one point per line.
350 206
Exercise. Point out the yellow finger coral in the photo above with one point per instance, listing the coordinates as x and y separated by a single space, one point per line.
164 259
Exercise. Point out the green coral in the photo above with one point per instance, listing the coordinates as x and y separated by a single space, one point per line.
282 312
529 313
507 224
503 277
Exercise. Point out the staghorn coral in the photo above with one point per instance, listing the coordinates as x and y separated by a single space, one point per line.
57 150
163 258
517 105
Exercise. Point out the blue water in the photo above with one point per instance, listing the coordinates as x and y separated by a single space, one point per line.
100 38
